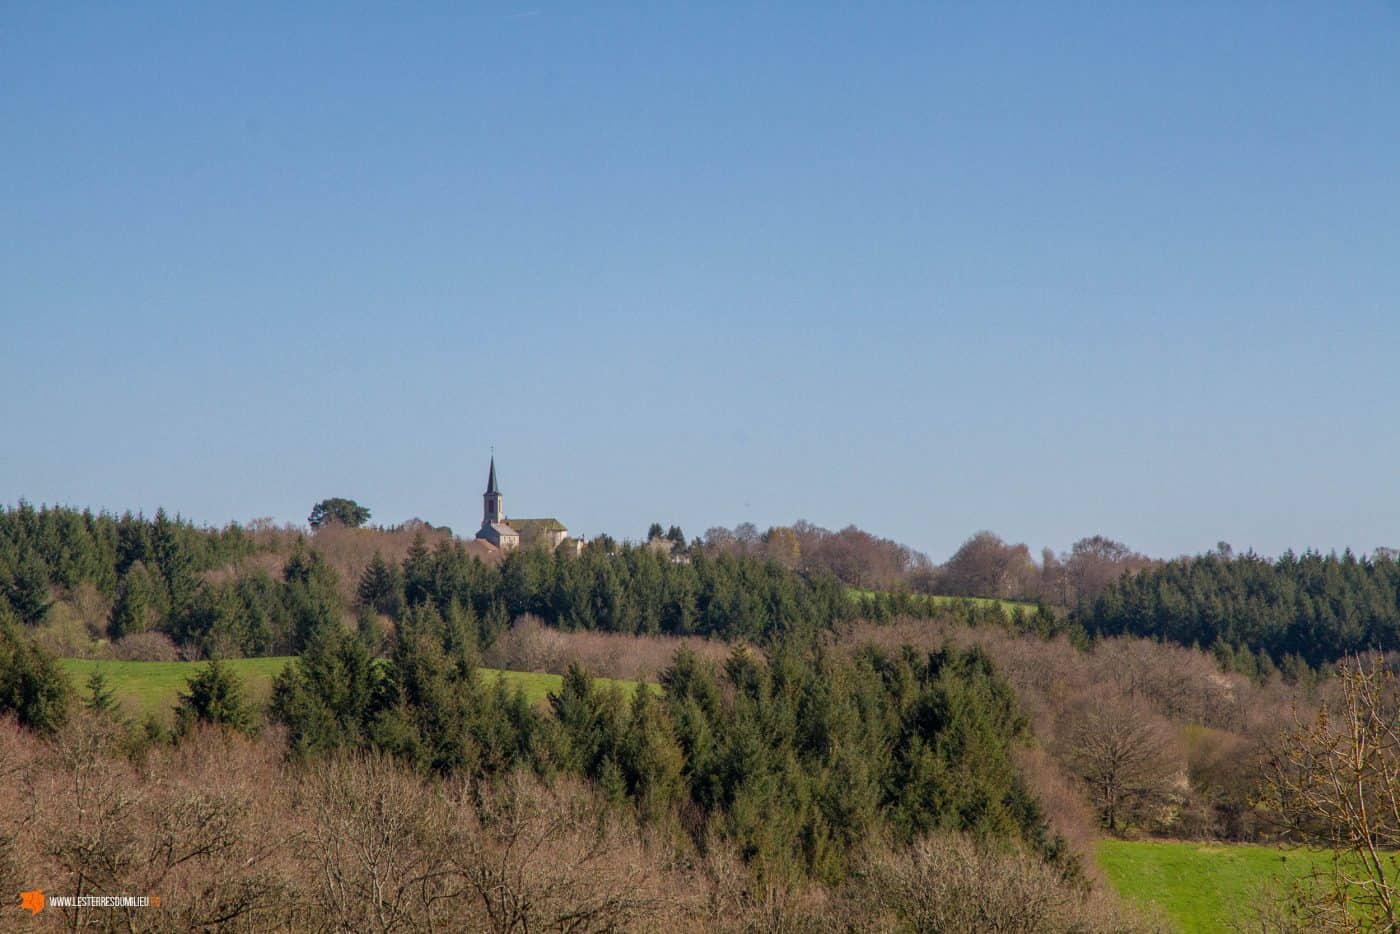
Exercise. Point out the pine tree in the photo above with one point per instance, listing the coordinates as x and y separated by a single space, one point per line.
101 699
32 687
140 603
28 589
214 696
174 561
381 587
326 698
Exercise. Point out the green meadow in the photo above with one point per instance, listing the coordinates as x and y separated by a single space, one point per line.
1006 606
1204 887
153 687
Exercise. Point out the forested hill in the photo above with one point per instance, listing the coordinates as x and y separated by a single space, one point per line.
230 591
1310 607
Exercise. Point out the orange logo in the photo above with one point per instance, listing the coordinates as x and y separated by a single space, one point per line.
34 901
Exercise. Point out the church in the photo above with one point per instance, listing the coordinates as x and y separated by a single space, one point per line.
499 536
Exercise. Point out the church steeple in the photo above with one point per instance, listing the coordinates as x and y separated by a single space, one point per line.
492 510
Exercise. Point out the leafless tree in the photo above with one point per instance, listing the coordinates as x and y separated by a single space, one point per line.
1334 780
375 842
1127 758
537 858
950 883
986 566
1094 563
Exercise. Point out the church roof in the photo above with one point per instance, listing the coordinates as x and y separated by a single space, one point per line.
491 482
539 525
500 528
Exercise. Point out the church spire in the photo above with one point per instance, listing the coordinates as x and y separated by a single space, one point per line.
492 510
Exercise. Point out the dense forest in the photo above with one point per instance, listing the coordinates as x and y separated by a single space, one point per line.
1311 608
795 756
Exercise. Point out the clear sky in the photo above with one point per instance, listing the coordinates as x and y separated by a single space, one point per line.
1045 269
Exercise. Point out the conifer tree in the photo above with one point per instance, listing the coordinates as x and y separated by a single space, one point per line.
381 587
214 695
27 588
140 604
101 699
32 687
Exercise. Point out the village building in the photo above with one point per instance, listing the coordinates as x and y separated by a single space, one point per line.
499 536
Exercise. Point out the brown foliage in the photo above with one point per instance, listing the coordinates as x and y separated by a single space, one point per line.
201 825
986 566
349 551
1127 758
146 647
951 883
530 645
852 555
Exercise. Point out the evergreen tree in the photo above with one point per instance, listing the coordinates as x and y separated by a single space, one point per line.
140 604
173 560
381 587
214 695
26 586
326 697
311 594
101 699
418 572
32 687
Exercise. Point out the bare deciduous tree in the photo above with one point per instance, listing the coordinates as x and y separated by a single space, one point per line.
375 841
1126 756
986 566
538 858
950 883
1334 780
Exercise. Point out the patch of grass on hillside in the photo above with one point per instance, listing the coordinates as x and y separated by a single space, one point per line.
1204 887
152 687
1006 606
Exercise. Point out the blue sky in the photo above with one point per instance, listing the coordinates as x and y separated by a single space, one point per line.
926 268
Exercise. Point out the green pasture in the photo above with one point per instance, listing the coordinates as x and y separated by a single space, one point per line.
1006 606
1205 886
153 687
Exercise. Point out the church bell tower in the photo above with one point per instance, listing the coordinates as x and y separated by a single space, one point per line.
491 500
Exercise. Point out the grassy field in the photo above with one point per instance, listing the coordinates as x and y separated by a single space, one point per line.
152 687
1006 606
1203 886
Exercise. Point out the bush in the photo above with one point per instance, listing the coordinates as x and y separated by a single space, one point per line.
146 647
951 883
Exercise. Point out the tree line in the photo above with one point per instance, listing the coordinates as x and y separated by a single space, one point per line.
1255 613
194 584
